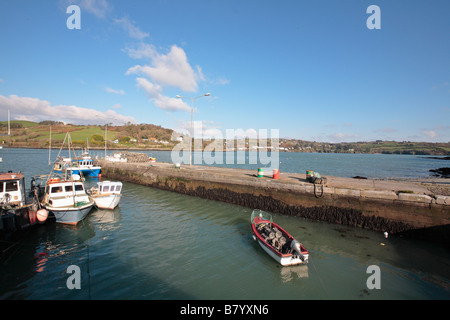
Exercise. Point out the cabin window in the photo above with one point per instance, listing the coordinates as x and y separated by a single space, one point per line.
1 186
112 189
105 188
11 186
78 187
118 188
56 189
68 188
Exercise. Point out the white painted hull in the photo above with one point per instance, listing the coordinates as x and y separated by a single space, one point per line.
106 201
70 215
291 260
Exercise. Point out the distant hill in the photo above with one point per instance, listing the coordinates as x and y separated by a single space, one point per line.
37 135
148 136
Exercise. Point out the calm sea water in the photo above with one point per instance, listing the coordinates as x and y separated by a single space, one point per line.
164 245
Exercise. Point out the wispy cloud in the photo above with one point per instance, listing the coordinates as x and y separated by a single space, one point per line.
130 27
99 8
343 137
121 92
34 109
430 133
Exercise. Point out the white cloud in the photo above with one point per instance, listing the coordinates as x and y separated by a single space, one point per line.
132 30
153 91
121 92
171 69
34 109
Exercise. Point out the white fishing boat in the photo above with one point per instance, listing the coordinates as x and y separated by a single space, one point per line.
277 242
67 200
107 194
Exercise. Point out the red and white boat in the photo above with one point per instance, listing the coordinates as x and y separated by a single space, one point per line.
276 241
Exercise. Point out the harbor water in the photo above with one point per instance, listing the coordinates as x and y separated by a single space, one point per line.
162 245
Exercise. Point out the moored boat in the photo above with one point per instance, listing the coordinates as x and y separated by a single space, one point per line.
85 167
107 194
18 209
276 241
67 200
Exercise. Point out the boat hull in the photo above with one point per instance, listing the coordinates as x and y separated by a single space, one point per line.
288 260
70 215
107 201
90 172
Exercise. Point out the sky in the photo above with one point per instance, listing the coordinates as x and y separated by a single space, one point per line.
323 70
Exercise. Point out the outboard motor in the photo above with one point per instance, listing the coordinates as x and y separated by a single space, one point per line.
295 245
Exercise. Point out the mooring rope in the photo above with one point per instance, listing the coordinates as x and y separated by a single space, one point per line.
320 279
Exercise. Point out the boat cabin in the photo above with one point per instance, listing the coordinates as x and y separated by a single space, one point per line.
65 193
109 187
85 162
12 189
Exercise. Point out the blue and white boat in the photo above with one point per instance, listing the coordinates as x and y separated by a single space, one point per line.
85 167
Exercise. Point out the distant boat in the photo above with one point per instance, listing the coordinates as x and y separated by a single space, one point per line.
79 165
107 194
277 242
67 200
85 167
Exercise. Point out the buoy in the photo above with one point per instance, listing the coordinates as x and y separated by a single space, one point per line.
99 177
386 234
42 215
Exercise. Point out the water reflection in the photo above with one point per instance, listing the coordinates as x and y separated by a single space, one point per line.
290 273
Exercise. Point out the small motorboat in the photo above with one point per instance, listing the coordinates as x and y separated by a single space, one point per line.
277 242
67 200
107 194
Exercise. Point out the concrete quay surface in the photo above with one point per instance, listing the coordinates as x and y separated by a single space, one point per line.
394 206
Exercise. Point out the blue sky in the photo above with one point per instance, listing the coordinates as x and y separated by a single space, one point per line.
311 69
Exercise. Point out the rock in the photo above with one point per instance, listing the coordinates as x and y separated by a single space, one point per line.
441 172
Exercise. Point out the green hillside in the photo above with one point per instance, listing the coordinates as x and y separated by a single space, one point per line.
37 135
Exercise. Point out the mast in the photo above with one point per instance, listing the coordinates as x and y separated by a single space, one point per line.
50 146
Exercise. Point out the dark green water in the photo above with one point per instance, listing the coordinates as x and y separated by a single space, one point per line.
163 245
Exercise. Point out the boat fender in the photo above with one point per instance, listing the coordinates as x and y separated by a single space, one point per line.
42 215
